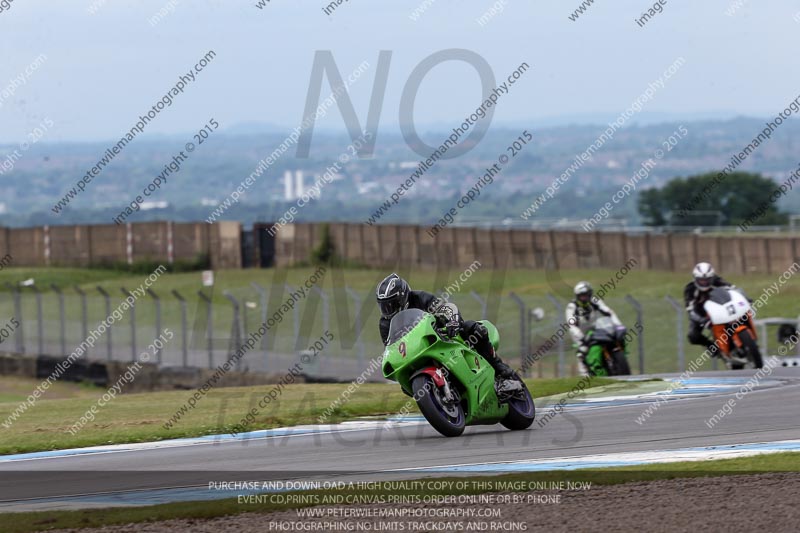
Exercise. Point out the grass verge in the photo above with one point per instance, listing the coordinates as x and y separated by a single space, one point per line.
14 389
141 417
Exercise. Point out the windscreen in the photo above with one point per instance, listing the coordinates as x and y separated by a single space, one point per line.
719 296
604 323
604 330
403 322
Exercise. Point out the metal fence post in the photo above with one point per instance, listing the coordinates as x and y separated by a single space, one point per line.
561 346
640 329
84 313
157 303
534 315
679 319
295 318
109 339
184 346
236 335
528 325
209 327
263 296
359 340
62 328
20 333
481 301
39 320
325 321
523 337
245 330
127 293
325 308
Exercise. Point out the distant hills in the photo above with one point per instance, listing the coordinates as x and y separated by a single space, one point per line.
44 172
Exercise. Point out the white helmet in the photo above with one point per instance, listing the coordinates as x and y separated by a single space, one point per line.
583 293
703 276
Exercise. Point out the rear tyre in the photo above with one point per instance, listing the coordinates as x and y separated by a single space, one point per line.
751 347
521 411
447 419
621 366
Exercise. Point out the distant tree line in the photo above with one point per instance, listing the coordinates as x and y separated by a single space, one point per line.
739 198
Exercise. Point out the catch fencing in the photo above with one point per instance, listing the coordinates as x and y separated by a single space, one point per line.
212 325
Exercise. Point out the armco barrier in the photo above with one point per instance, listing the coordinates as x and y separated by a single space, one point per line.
149 378
78 371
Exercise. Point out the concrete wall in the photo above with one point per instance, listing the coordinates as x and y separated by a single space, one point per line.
225 245
108 243
395 246
85 245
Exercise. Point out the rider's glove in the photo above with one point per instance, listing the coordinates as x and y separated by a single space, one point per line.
448 316
445 312
694 316
452 328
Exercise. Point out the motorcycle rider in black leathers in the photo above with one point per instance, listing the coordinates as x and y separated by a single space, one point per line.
394 295
695 294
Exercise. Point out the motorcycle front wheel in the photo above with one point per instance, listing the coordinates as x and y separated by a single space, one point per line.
620 361
751 347
446 418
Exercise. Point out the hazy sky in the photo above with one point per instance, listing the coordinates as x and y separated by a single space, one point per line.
105 69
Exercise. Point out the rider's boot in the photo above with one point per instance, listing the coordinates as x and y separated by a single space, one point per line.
583 370
713 349
581 355
501 370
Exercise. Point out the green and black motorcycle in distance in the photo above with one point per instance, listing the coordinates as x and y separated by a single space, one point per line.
453 385
607 344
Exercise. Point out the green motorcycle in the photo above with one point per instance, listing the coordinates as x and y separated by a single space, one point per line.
452 384
607 346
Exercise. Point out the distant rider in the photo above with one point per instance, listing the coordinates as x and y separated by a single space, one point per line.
394 295
695 294
581 314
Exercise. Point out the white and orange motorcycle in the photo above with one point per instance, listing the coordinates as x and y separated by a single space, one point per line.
731 322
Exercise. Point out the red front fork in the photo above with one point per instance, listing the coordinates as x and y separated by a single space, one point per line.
434 373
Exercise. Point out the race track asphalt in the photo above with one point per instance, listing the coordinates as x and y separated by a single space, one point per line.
769 413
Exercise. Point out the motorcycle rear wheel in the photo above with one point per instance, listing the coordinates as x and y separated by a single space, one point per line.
521 411
435 412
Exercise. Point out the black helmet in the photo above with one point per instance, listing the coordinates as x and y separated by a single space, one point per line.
392 295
